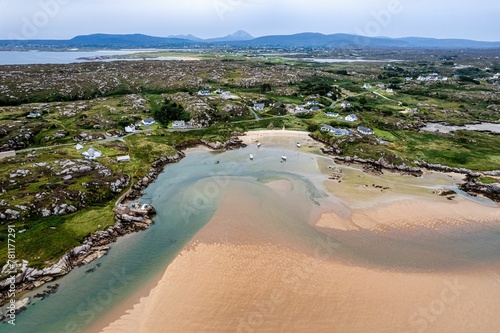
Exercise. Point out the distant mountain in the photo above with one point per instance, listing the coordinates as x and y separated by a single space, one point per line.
239 35
188 37
310 39
134 40
346 40
243 39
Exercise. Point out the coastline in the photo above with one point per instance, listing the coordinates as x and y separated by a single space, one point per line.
228 283
272 138
95 246
235 275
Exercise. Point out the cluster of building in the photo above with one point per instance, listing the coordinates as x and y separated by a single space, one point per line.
432 77
346 132
222 94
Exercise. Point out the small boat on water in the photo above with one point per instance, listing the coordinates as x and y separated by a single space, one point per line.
258 145
283 157
298 144
251 156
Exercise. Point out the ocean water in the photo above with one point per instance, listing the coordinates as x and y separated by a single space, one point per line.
186 196
47 57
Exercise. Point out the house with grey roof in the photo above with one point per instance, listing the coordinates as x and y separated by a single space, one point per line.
365 130
352 118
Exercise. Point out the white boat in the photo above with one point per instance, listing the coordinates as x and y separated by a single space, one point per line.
258 145
298 144
283 157
251 156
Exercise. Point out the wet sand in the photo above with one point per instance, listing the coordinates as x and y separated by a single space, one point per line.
280 137
239 275
245 273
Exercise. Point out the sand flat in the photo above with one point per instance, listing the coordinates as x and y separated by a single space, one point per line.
243 272
231 278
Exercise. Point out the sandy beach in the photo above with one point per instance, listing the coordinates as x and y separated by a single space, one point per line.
280 137
243 272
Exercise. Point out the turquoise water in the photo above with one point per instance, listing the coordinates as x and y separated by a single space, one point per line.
186 195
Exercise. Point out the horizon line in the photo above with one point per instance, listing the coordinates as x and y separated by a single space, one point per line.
253 37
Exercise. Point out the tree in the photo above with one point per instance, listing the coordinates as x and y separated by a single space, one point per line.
264 88
170 111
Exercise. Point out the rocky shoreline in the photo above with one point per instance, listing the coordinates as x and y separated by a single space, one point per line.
471 184
129 218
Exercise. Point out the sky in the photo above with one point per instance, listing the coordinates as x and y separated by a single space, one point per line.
64 19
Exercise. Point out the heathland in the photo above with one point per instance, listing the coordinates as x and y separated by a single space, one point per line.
370 109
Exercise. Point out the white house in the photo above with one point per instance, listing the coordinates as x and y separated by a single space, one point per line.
327 128
125 158
340 132
79 147
204 93
332 114
352 117
227 95
345 105
148 122
130 129
365 130
367 86
389 90
179 124
335 131
34 114
300 108
92 154
258 106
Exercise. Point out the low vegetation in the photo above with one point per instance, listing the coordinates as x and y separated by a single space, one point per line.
56 197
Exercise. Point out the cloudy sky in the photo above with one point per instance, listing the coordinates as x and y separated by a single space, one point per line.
63 19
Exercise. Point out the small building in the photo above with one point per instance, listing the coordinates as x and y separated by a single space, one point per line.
259 106
300 108
179 124
365 130
332 114
130 129
125 158
340 132
315 108
79 147
335 131
389 90
35 114
148 122
326 128
204 93
309 103
352 118
345 105
92 154
227 95
367 86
